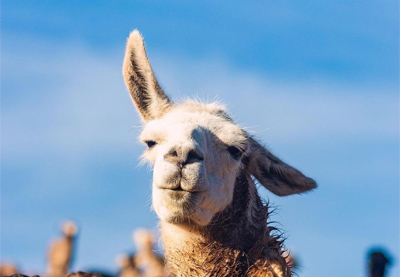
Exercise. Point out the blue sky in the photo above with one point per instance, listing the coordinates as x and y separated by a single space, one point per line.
316 81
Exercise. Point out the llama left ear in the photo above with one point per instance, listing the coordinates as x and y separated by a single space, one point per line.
147 95
275 175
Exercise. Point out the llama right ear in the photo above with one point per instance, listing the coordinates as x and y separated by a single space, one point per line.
146 93
275 175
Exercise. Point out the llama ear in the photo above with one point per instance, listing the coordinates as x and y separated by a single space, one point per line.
146 93
275 175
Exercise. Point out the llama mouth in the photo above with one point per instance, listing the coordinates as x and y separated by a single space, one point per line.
184 201
178 189
179 194
181 204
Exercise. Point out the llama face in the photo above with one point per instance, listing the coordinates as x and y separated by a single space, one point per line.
69 228
196 153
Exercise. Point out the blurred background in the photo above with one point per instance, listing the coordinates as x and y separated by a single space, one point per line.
317 81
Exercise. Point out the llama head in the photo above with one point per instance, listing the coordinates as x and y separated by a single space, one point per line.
196 149
69 228
143 239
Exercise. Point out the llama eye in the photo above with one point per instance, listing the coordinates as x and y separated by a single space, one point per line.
234 151
150 143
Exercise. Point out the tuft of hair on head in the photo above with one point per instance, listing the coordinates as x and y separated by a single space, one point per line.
69 228
143 238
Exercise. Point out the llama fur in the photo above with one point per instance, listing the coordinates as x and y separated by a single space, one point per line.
61 251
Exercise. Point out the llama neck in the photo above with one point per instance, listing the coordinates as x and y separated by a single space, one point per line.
236 242
70 240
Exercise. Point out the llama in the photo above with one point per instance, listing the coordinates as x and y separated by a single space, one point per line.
146 259
60 252
127 266
378 263
212 220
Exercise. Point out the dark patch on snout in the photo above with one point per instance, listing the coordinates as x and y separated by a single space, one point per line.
181 196
177 194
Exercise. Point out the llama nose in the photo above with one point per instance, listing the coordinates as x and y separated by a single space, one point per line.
183 155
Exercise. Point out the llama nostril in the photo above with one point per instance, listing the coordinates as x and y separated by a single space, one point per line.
193 156
183 157
171 156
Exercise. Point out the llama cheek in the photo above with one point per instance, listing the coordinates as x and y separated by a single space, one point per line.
160 207
150 156
219 190
216 199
